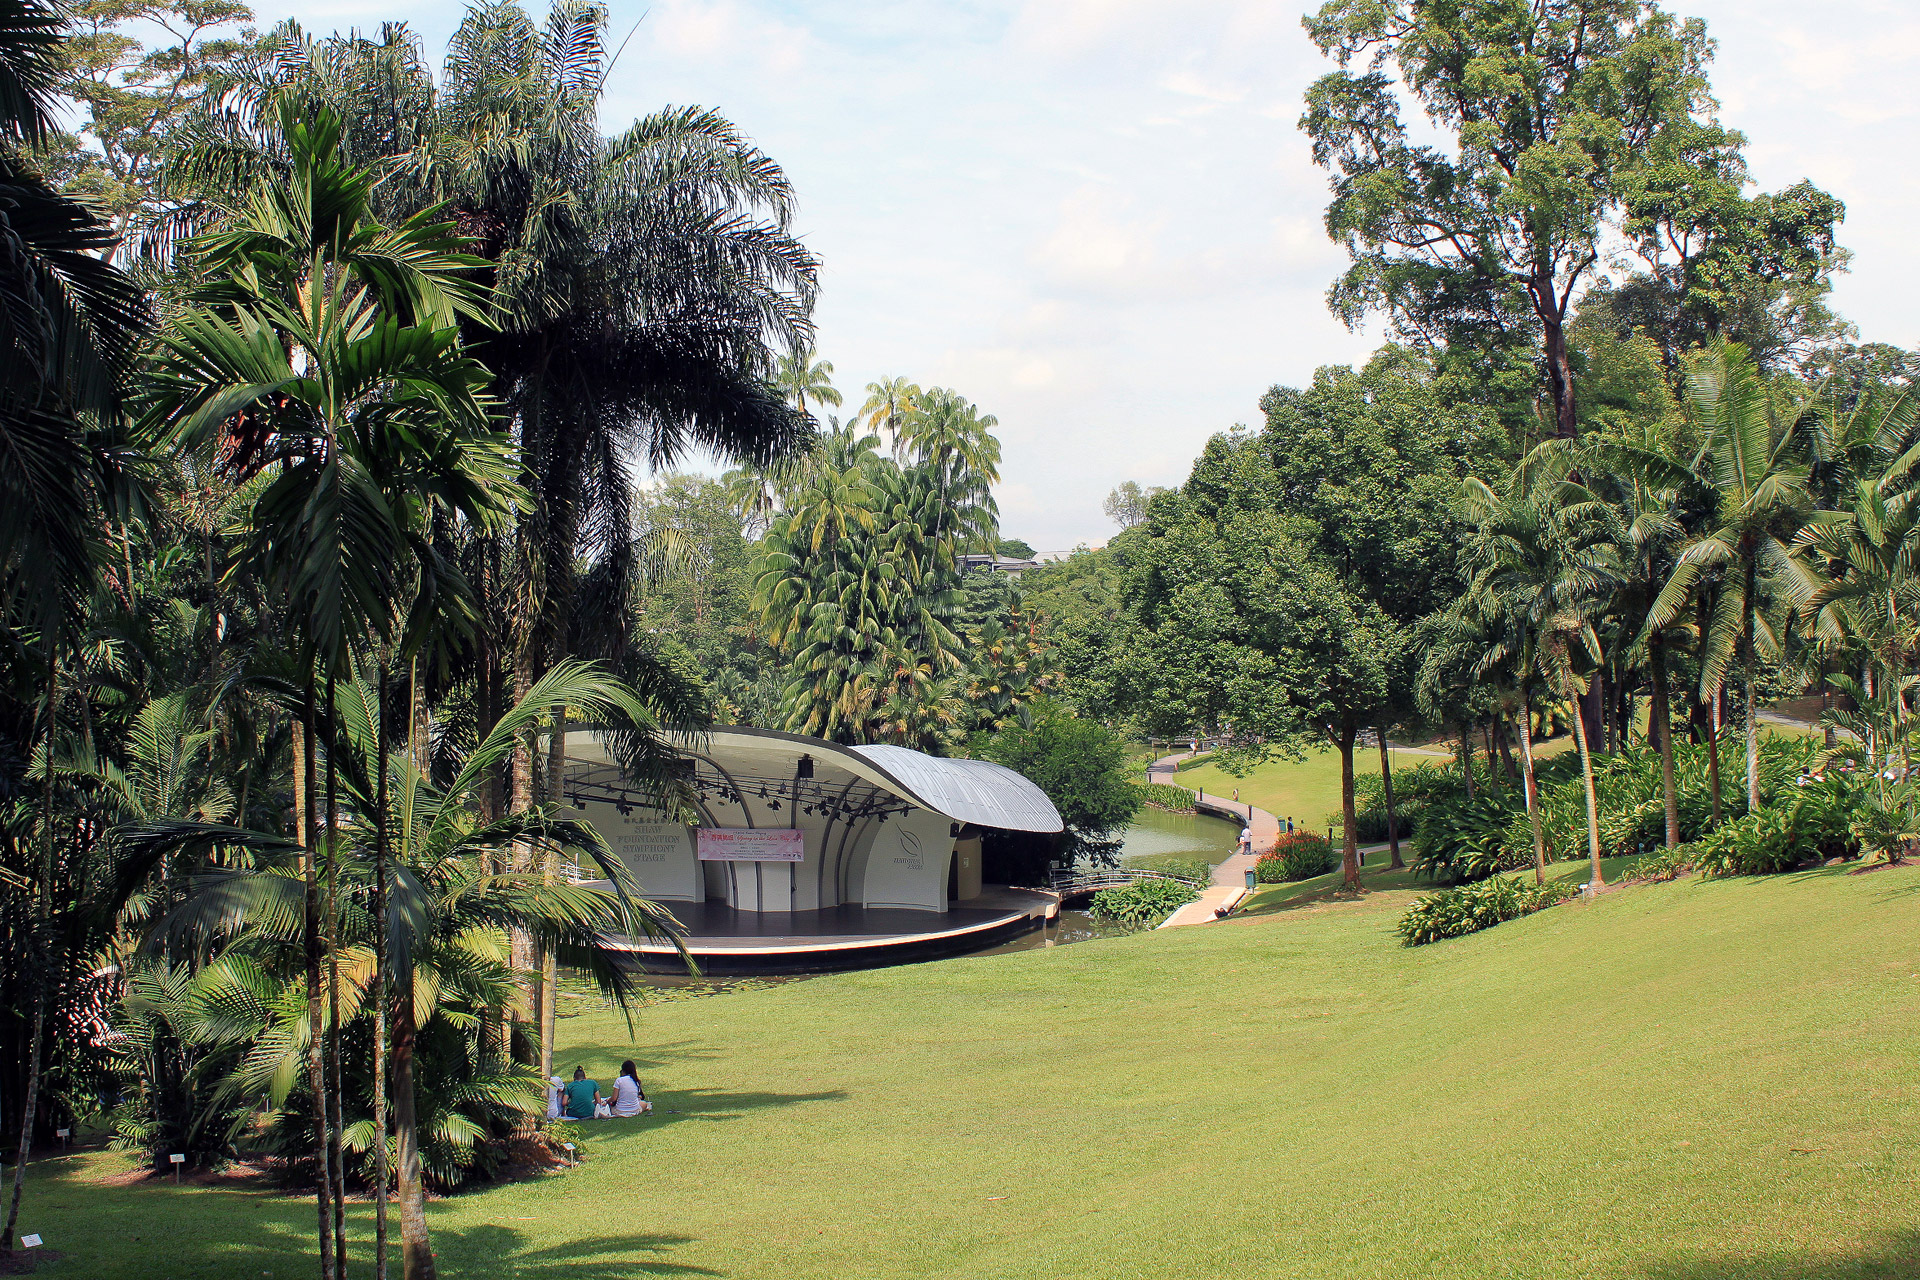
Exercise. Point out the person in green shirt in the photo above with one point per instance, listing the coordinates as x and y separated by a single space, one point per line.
582 1094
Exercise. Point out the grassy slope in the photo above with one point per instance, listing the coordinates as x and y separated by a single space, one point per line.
1306 790
1692 1080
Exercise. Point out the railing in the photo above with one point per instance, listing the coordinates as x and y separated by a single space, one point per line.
1073 883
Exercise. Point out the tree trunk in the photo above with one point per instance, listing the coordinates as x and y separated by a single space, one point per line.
1350 847
1663 729
1753 736
525 964
1593 806
1592 706
416 1252
336 1126
380 984
36 1056
1386 787
1532 797
1553 342
1713 754
550 875
316 1009
1466 758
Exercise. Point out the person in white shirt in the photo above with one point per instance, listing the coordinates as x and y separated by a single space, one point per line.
1246 839
629 1099
554 1084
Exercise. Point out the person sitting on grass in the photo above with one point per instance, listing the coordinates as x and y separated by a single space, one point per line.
582 1094
629 1099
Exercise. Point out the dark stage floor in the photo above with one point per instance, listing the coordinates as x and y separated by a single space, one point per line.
846 937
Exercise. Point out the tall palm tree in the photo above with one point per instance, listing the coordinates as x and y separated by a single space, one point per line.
323 355
69 323
802 378
889 404
1751 463
435 848
1545 558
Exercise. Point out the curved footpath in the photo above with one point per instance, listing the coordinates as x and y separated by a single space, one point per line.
1230 877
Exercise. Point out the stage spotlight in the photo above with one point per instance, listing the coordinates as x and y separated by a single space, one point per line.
578 803
626 810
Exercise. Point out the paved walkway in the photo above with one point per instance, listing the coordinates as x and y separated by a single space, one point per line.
1230 877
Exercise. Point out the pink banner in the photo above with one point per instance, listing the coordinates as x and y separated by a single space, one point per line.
718 844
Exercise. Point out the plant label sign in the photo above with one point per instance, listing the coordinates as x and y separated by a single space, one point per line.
727 844
177 1158
30 1242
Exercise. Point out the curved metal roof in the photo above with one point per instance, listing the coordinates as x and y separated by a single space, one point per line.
976 791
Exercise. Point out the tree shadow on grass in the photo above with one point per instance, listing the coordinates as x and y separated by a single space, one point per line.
675 1106
491 1249
1894 1257
652 1057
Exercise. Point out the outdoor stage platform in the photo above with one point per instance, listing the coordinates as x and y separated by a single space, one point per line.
726 941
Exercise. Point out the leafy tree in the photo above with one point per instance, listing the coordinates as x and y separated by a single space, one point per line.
1246 623
137 95
1127 505
324 359
1552 108
1084 768
1014 549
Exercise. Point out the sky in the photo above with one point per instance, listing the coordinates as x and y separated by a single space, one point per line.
1098 220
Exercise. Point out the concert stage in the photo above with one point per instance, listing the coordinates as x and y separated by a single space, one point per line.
728 941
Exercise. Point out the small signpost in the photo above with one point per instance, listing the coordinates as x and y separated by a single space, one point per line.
30 1242
63 1135
178 1160
569 1147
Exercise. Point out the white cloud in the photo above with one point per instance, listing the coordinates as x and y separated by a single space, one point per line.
1097 219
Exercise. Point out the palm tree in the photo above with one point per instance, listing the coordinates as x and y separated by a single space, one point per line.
323 356
889 404
1545 558
69 323
801 378
431 844
1760 500
642 285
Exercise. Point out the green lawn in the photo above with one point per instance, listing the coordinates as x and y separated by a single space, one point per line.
1695 1081
1304 790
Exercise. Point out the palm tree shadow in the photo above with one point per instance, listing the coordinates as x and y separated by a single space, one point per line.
1895 1256
494 1249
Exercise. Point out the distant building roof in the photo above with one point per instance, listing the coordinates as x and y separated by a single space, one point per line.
996 564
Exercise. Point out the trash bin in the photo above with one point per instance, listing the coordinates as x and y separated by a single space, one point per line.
1250 880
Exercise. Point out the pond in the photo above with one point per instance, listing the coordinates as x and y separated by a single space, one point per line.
1157 834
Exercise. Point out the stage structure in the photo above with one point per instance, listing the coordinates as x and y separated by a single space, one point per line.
808 855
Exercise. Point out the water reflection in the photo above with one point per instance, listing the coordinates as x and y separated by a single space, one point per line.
1158 834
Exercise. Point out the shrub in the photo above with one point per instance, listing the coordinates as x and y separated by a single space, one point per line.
1454 912
1162 795
1296 855
1193 870
1143 902
1663 864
